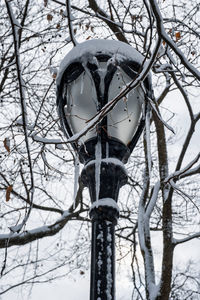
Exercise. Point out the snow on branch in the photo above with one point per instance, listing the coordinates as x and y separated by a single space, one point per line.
187 239
178 174
153 200
191 172
145 237
15 238
39 139
162 33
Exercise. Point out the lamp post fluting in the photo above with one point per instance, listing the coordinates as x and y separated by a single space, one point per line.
91 75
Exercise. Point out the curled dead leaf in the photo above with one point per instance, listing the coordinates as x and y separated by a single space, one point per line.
49 17
58 26
177 36
6 143
82 272
8 191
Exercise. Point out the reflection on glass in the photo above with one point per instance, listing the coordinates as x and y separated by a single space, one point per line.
126 114
82 104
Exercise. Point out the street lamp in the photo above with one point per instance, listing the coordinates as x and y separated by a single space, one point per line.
91 75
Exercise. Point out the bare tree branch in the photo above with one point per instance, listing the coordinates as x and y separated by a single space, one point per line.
165 37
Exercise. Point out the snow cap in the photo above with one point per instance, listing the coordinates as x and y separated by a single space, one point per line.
96 46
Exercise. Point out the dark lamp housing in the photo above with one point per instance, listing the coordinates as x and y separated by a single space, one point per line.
90 81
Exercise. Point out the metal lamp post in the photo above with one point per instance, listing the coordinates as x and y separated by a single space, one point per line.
90 76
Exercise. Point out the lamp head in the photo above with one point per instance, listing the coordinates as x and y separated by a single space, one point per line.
92 75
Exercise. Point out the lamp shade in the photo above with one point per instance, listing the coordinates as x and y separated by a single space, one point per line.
124 118
90 76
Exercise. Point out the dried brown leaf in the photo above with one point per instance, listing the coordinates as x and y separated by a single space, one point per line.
8 191
177 36
49 17
6 143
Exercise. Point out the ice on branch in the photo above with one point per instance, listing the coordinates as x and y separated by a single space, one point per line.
39 139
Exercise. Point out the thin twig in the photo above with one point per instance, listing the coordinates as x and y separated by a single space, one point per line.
23 102
69 17
162 33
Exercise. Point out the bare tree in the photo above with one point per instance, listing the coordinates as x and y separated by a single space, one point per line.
36 162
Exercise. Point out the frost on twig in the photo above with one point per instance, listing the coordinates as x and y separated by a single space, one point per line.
57 142
183 172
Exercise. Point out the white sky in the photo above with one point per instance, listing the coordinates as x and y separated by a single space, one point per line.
75 290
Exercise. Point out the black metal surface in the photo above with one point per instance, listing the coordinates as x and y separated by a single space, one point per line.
112 177
102 284
104 218
110 148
